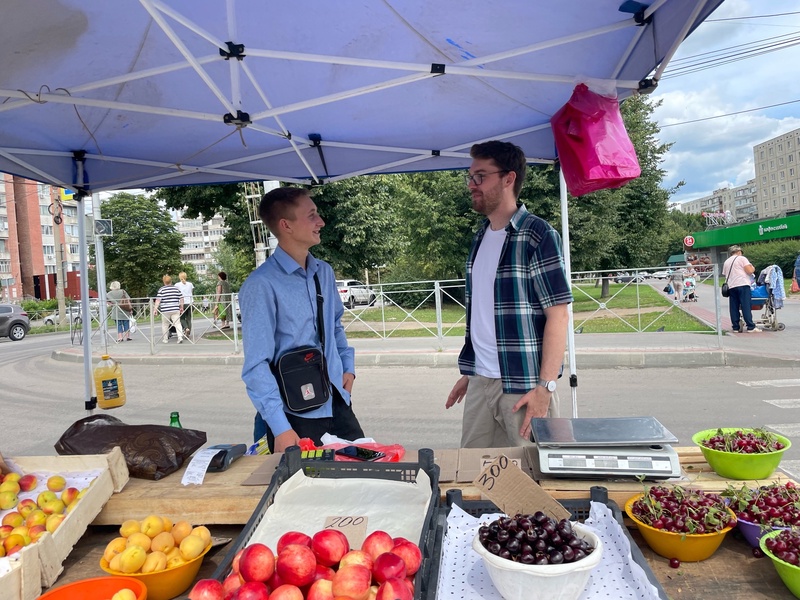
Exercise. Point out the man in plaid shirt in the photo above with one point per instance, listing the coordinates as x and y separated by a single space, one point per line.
517 315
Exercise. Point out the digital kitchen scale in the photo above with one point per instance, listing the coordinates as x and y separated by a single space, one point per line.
605 448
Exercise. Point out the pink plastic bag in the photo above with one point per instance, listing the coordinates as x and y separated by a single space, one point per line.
593 146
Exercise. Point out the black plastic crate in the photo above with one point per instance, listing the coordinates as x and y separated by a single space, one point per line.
579 511
292 462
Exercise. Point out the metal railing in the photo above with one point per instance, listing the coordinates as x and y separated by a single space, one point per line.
633 302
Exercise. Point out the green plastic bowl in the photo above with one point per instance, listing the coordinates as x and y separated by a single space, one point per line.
734 465
789 574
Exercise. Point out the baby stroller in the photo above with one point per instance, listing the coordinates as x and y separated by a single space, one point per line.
768 296
689 289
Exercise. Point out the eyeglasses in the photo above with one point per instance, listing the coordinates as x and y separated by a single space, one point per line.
477 178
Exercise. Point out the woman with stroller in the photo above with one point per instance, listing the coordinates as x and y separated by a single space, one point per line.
738 272
676 282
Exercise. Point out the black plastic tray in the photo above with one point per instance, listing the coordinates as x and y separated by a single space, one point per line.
579 511
291 463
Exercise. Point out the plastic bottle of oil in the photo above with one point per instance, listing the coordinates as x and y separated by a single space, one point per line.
108 383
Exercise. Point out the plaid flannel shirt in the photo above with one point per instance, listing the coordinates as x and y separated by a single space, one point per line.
530 278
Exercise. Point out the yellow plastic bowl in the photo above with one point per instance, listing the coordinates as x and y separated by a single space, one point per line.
97 588
690 547
166 584
735 465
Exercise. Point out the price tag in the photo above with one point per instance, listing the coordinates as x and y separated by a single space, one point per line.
514 492
353 527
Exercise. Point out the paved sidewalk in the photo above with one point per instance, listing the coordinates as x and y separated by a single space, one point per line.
657 349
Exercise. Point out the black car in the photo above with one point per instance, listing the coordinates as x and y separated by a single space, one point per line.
14 322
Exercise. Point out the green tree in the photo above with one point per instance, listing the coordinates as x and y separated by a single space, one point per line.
145 245
436 225
360 217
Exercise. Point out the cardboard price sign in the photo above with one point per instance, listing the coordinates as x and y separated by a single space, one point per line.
514 492
354 528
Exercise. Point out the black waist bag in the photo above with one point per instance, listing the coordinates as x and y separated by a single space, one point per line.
302 379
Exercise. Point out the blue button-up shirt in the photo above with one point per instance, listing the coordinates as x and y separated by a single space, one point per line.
279 312
530 278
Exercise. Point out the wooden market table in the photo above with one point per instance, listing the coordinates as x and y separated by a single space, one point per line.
224 505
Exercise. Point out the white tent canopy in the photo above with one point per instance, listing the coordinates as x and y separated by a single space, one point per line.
107 95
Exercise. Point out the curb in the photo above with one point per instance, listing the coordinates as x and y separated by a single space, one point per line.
607 359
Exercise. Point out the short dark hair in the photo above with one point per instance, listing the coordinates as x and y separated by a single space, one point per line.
506 155
278 204
222 275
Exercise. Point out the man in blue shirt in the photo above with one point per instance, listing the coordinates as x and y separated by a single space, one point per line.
279 313
517 308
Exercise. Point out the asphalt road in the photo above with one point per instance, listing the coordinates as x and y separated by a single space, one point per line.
40 398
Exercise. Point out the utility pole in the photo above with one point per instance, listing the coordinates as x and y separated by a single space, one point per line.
61 274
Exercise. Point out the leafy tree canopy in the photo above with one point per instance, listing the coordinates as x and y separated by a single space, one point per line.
145 246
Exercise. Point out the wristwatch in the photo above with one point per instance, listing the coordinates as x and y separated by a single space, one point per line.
549 385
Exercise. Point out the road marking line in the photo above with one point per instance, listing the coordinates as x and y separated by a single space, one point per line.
786 429
771 383
791 468
787 403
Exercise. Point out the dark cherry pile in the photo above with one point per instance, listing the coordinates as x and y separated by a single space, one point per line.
534 540
774 505
786 546
680 510
754 441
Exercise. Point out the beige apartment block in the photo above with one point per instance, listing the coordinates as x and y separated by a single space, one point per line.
777 175
201 240
732 205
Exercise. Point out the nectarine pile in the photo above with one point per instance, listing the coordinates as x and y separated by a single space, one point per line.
154 544
28 519
320 567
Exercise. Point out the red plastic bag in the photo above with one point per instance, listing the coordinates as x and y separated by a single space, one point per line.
593 146
795 288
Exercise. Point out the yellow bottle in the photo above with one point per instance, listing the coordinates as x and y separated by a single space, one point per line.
108 384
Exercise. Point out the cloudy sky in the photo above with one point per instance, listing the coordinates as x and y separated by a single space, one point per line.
717 153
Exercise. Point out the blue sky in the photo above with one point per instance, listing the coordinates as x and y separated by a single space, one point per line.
718 153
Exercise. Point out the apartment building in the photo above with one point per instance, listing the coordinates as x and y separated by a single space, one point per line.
28 248
727 205
200 241
777 175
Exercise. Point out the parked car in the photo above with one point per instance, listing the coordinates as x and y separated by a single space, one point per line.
353 292
627 278
660 274
14 322
73 313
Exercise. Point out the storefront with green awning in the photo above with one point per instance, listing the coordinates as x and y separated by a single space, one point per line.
712 245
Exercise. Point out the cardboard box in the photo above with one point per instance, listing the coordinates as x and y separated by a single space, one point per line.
471 461
39 565
448 464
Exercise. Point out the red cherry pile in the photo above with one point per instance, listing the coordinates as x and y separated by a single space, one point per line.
774 505
680 510
786 546
754 441
534 540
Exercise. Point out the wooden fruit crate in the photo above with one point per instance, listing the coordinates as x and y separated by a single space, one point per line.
39 565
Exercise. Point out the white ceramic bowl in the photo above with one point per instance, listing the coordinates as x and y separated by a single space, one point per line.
566 581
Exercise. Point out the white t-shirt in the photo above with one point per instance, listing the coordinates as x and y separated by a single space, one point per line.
734 273
186 289
482 326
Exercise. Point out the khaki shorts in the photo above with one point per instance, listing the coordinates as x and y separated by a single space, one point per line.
488 420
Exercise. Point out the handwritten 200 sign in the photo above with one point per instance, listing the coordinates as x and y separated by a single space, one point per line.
353 527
